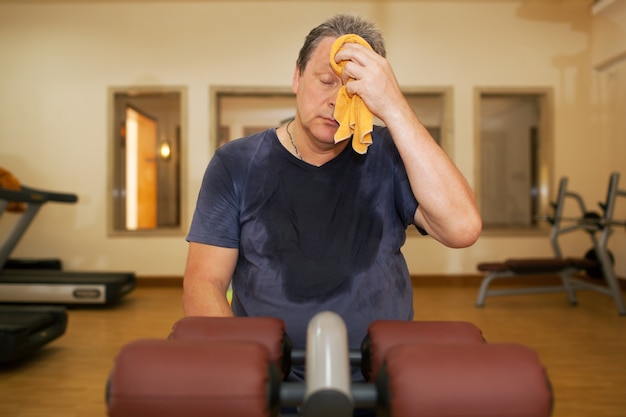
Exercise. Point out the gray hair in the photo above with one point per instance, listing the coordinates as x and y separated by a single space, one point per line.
339 25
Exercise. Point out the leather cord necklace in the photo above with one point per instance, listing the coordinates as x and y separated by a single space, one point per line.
292 142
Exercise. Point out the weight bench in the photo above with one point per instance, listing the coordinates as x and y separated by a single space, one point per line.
570 270
236 367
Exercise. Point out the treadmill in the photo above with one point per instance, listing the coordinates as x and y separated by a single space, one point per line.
25 329
43 285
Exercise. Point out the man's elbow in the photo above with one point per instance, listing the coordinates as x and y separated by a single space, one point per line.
466 233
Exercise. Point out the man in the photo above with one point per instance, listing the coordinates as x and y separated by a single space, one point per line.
301 224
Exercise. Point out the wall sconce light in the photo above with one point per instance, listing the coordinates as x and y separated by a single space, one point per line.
164 150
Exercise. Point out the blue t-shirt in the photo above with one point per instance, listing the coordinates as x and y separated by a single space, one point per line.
311 239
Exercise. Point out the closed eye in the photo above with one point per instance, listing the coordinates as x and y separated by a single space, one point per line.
331 82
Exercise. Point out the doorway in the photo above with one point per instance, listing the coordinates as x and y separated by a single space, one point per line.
141 170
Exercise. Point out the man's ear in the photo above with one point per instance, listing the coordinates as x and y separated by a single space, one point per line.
295 81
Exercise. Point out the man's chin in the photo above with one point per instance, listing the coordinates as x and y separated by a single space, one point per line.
328 132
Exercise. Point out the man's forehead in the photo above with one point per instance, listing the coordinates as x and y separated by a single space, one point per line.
321 53
324 45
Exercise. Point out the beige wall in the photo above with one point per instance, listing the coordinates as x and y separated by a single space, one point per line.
609 33
58 60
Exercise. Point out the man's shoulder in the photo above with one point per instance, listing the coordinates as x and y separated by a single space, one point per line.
248 144
382 142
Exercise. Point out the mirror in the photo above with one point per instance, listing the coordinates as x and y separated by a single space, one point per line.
146 133
241 111
514 148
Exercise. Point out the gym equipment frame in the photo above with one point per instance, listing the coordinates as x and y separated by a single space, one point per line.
597 263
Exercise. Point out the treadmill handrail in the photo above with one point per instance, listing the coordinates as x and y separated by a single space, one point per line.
36 196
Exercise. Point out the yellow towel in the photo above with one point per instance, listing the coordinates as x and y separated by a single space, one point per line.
353 116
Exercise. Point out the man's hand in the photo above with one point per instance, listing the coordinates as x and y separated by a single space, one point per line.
371 77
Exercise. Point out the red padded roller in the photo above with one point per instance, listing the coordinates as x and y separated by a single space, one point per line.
268 331
386 334
488 380
166 378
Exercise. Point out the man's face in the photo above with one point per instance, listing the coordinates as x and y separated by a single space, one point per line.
316 90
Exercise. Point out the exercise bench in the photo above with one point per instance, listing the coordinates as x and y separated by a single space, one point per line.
236 367
572 271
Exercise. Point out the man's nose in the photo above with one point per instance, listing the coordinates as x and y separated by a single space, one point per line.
333 97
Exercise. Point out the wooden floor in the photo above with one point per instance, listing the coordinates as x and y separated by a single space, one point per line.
583 348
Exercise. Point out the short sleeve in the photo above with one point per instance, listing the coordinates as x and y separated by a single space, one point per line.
216 217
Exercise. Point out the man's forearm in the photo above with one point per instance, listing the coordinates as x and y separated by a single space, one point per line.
447 206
